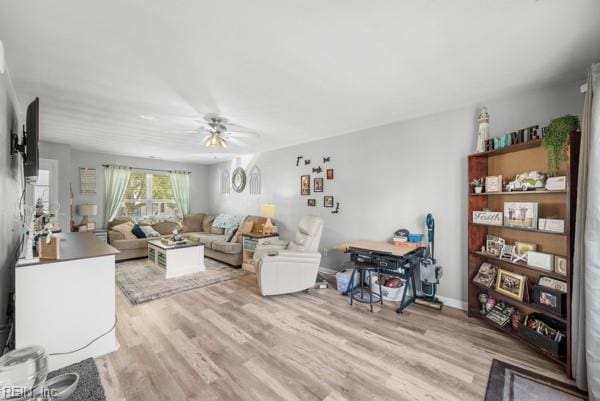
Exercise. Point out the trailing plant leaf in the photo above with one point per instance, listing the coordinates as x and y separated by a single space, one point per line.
556 140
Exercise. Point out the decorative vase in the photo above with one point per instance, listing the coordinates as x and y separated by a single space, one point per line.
478 190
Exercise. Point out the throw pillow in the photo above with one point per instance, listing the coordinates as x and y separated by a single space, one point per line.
245 228
222 221
193 222
217 230
207 223
137 231
230 234
150 232
125 229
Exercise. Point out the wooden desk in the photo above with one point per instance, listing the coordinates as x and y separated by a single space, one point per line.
380 247
390 259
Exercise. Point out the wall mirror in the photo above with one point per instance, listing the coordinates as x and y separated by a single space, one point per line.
238 179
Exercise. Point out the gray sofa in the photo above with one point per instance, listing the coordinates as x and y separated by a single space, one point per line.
196 227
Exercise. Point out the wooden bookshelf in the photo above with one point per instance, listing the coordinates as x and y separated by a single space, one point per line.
509 162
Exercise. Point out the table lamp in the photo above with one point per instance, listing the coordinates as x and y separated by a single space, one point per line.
268 211
87 210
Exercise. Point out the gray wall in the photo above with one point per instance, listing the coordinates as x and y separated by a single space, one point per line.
70 160
390 177
9 193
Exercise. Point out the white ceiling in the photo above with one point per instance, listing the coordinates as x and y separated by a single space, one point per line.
294 71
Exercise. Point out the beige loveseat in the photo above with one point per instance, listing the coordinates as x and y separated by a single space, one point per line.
196 227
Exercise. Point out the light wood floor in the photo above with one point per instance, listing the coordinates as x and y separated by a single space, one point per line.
226 342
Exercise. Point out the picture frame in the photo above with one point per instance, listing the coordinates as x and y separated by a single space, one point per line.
493 183
494 244
550 299
486 275
305 185
329 174
560 265
318 184
511 284
311 202
521 214
328 201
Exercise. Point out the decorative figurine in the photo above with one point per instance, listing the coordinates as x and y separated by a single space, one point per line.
484 129
483 298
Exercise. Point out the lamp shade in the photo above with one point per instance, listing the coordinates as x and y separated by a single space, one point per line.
88 209
267 211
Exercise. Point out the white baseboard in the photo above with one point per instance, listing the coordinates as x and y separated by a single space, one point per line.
454 303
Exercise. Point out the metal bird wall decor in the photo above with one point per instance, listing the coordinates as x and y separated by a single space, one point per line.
298 160
317 170
326 159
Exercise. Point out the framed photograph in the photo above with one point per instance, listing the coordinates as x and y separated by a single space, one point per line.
521 214
511 284
318 184
560 265
328 201
493 183
305 185
550 298
494 245
486 275
312 202
330 174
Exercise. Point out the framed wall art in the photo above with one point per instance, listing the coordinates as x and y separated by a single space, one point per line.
511 284
318 184
521 214
305 185
330 174
328 201
493 183
311 202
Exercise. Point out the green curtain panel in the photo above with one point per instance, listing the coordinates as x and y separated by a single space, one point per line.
116 179
180 183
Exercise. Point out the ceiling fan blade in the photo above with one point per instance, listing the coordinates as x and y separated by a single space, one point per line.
243 134
236 142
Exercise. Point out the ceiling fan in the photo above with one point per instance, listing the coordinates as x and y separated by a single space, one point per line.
219 133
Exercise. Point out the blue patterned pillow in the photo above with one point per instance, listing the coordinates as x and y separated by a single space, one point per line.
137 231
222 221
230 233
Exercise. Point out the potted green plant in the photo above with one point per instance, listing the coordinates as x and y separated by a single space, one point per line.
477 185
556 139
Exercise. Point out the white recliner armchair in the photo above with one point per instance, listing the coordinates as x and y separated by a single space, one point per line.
286 267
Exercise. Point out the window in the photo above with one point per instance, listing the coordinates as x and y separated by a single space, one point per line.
43 194
41 191
148 194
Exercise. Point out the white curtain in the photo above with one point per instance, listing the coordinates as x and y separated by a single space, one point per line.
116 179
180 184
586 258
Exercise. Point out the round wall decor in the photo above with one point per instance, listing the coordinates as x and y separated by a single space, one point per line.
238 179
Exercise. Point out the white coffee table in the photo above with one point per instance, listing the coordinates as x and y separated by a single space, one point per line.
178 260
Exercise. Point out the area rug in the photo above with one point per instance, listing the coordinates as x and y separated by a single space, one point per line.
89 387
511 383
142 281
